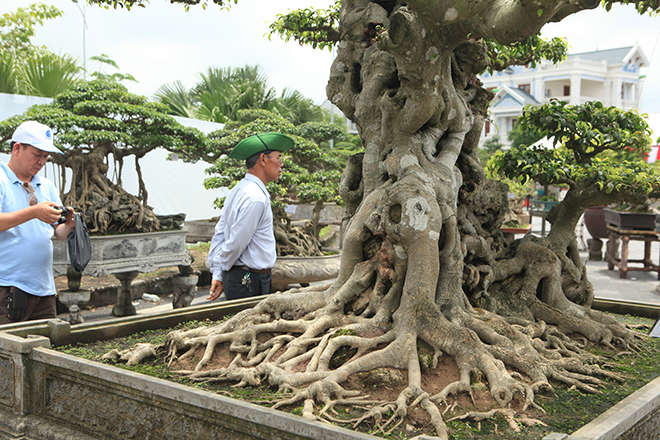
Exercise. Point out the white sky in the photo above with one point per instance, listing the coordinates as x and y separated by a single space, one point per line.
161 43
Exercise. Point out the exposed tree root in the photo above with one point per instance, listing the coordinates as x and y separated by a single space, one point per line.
508 414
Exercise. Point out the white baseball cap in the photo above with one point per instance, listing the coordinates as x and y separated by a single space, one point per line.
36 134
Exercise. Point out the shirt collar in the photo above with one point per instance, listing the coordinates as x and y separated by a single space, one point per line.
36 180
255 179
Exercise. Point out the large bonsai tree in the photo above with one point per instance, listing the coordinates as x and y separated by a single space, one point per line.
422 245
97 122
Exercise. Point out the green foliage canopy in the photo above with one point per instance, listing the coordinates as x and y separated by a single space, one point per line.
104 114
221 92
28 69
584 138
310 26
18 28
311 171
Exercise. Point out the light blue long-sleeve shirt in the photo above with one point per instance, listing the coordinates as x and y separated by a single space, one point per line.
244 234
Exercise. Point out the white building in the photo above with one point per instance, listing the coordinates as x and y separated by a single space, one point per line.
612 76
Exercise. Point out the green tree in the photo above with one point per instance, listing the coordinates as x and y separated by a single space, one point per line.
7 72
491 146
177 99
44 73
520 136
105 60
18 28
425 269
591 145
27 69
221 93
98 121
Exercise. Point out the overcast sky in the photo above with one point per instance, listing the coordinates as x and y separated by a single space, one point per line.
161 43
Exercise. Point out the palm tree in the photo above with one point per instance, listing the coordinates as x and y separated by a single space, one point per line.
44 73
297 108
7 72
221 92
177 99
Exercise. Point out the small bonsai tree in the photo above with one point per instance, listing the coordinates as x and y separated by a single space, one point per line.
591 144
98 121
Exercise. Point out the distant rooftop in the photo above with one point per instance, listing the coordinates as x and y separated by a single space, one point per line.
610 56
519 95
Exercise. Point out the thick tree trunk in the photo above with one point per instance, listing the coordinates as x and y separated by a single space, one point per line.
105 205
423 258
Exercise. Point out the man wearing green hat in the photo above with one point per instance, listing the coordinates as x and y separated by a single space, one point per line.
243 247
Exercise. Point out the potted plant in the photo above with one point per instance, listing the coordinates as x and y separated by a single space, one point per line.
628 217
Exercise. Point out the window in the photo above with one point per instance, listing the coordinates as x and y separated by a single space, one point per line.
567 90
487 128
525 87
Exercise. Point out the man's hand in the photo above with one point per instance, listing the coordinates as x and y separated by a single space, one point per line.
216 290
62 230
70 221
47 212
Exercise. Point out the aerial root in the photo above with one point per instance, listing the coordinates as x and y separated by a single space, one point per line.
436 417
508 414
320 391
453 388
133 355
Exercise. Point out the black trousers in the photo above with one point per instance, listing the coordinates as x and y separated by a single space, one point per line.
235 287
38 307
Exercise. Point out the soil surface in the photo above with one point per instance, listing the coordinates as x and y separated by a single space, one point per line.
383 387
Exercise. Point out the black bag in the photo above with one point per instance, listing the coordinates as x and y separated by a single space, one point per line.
17 303
80 247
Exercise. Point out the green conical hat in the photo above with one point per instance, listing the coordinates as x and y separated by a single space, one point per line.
261 142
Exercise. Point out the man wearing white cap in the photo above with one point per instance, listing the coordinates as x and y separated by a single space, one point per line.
29 217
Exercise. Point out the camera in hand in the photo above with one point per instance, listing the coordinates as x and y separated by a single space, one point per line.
63 215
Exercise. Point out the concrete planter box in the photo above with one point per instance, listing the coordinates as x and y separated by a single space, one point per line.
123 256
200 230
47 394
143 252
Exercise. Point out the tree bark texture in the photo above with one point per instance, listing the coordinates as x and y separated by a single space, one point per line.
106 205
423 258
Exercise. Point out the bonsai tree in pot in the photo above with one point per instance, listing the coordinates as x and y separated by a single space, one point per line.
598 155
311 172
96 122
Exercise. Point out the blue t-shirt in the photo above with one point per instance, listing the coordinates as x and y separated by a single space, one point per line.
26 250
